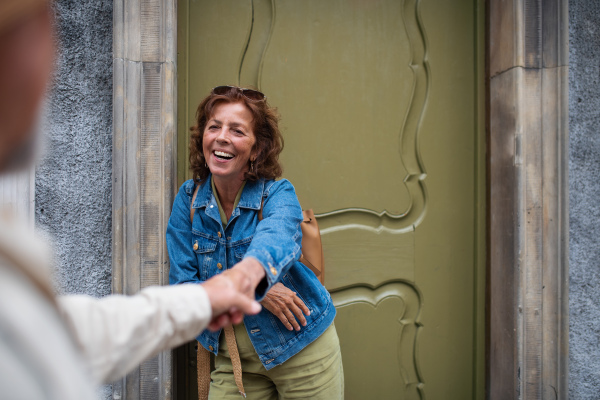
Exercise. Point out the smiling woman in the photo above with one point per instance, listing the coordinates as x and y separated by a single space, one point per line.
234 157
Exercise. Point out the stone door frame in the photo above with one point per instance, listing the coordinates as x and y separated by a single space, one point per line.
527 161
528 214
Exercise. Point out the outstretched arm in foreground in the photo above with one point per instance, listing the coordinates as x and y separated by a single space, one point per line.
117 332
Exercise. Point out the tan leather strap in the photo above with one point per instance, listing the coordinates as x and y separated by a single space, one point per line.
203 367
314 269
312 248
203 361
192 204
234 355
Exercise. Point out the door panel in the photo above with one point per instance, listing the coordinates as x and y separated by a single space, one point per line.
379 111
340 75
379 358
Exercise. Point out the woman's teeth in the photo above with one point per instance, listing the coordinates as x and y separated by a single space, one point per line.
222 154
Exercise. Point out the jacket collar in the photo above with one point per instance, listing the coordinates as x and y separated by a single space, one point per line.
251 195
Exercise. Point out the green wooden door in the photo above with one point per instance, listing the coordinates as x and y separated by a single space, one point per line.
381 104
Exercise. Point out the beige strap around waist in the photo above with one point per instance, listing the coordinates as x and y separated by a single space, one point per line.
204 365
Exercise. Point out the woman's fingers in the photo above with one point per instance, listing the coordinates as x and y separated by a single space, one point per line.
293 324
281 311
285 319
302 306
236 317
218 322
298 313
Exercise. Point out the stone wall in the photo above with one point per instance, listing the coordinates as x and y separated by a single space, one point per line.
73 180
73 192
584 175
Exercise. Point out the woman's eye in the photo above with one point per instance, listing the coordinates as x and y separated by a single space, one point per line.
213 127
238 132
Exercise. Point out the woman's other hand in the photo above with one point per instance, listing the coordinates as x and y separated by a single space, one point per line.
284 304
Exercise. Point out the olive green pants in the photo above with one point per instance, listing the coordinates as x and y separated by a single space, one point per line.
314 373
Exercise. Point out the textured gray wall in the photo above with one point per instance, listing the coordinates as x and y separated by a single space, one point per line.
584 175
73 192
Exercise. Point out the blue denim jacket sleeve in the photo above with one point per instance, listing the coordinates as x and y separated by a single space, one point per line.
179 239
277 240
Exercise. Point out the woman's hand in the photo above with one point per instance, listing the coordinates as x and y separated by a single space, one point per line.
284 304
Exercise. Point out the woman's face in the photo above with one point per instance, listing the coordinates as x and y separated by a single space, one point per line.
228 141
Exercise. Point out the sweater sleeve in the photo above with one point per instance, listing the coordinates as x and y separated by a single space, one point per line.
116 333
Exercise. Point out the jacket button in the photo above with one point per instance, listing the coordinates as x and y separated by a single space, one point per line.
219 266
196 246
210 348
273 271
219 233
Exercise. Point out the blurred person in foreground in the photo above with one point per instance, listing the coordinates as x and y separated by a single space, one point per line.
60 347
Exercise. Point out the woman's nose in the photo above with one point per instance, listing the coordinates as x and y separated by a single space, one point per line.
222 136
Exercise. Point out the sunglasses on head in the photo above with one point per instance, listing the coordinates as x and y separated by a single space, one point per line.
250 94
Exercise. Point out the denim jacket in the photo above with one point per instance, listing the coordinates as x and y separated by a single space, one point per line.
208 248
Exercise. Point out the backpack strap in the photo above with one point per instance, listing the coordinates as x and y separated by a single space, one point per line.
192 209
312 248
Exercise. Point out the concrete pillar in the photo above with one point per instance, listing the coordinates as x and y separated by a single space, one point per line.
144 164
528 200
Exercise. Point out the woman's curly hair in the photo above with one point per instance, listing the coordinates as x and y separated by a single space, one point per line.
269 141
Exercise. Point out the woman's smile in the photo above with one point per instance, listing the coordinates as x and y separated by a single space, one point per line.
222 155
